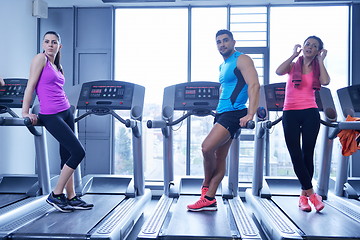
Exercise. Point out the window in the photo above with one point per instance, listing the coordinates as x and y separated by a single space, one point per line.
152 52
205 62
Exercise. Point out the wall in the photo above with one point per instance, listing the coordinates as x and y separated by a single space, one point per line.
18 29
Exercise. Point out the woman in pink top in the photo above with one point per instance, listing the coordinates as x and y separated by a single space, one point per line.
301 118
46 77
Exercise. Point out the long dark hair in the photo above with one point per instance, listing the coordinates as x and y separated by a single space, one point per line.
58 55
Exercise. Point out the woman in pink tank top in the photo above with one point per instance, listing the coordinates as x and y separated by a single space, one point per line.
46 77
301 118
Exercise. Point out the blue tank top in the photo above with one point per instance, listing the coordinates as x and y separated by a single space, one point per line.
234 94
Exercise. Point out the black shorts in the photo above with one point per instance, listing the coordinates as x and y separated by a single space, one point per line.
230 120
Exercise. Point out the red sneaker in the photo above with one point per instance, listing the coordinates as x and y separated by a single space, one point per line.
203 192
203 205
304 204
316 200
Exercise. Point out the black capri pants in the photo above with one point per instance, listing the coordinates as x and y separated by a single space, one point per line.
304 124
61 126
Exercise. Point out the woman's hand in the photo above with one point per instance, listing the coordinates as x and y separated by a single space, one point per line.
33 117
296 50
2 83
322 54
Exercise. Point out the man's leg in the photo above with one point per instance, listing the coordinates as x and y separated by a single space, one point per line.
214 146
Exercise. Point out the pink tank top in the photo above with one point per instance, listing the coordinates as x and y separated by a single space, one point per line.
301 97
50 91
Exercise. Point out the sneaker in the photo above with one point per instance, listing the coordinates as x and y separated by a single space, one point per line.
316 200
77 203
59 202
203 205
203 192
304 204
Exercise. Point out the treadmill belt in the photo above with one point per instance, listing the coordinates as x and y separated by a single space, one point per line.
194 225
327 224
6 199
79 222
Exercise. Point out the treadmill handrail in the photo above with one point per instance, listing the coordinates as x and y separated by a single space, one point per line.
16 121
162 123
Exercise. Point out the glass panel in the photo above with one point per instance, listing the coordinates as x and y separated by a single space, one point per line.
248 25
152 52
205 62
319 21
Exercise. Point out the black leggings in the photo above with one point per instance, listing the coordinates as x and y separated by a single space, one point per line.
61 126
307 124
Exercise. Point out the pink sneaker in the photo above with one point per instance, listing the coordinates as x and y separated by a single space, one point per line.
304 204
203 205
203 192
316 200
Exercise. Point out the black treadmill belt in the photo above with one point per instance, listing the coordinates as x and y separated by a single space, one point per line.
6 199
195 225
327 224
77 223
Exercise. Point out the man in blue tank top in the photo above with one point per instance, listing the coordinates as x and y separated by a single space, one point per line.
239 83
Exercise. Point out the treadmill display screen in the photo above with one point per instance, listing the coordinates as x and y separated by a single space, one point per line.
354 93
193 92
275 96
107 92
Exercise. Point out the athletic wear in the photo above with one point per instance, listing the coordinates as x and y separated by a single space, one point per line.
50 90
77 203
59 202
304 204
230 120
203 204
316 200
234 93
302 96
61 126
301 128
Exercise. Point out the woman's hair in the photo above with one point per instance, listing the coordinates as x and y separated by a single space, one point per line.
58 55
321 44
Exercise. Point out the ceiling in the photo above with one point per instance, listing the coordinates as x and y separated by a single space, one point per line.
137 3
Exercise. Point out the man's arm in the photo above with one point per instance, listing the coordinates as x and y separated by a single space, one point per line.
246 66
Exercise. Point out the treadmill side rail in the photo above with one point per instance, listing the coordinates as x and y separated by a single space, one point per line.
276 225
244 223
152 226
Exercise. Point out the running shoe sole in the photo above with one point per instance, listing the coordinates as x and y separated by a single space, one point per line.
58 208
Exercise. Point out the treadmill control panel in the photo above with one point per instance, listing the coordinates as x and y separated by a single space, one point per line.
12 94
196 95
114 95
275 96
354 93
107 92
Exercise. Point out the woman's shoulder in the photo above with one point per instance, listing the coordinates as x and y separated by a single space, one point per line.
40 59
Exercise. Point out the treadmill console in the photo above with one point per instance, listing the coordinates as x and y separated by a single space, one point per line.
12 94
114 95
349 98
274 96
196 95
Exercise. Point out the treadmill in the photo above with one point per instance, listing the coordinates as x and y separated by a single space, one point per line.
350 104
22 194
118 201
170 219
274 201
